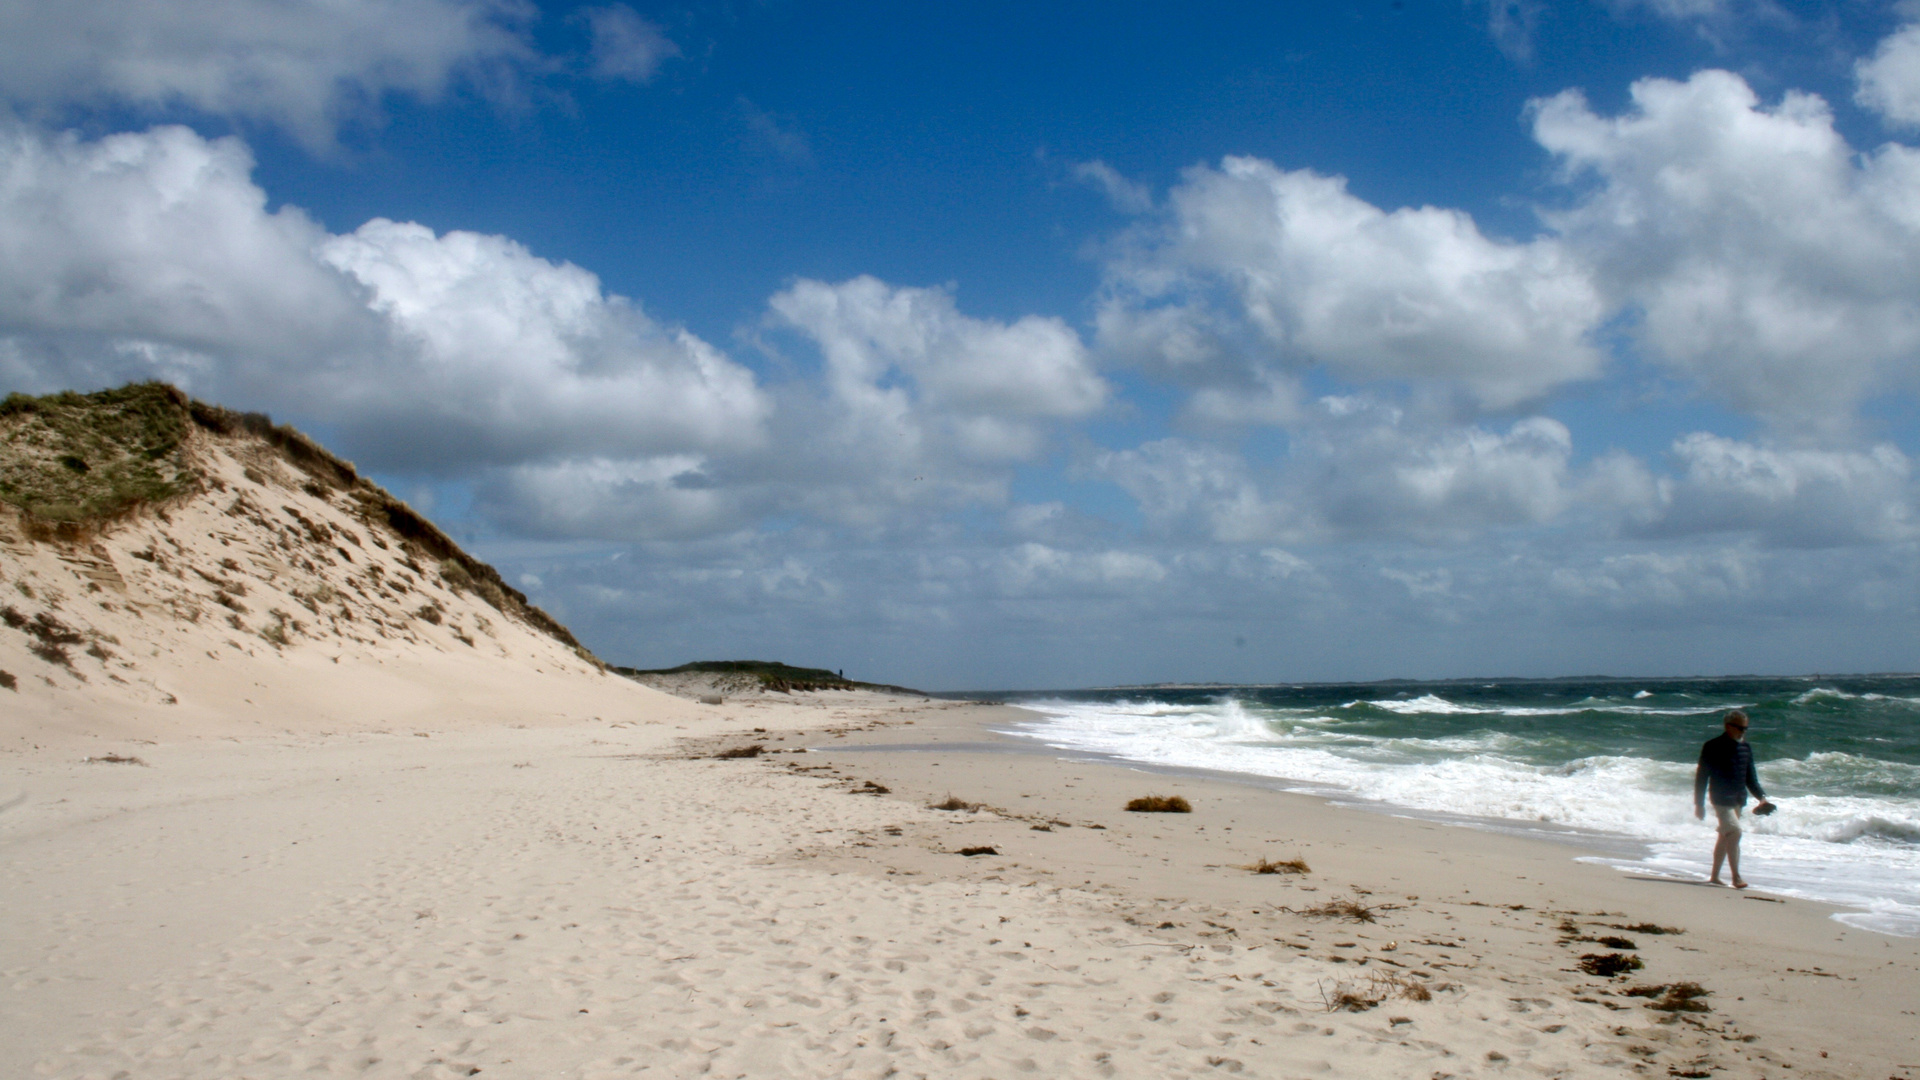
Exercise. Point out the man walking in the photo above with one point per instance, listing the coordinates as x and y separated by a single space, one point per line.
1726 773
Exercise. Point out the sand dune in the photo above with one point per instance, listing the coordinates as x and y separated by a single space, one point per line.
278 585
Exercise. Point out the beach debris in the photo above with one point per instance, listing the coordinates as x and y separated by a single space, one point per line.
970 852
1160 804
871 788
712 699
1346 999
1352 910
1607 965
1294 865
953 802
1570 932
1673 997
1343 997
1647 928
113 759
742 751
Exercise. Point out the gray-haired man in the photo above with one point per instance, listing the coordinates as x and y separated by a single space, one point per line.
1726 773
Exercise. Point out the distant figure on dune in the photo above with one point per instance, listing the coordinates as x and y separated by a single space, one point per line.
1726 773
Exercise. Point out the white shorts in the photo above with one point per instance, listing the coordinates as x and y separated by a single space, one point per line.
1729 819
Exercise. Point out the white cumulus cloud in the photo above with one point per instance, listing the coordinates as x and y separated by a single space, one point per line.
304 64
161 239
1357 469
908 357
1256 266
1792 496
152 255
520 358
1888 82
1767 262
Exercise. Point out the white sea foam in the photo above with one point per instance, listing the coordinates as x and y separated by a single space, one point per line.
1426 704
1828 692
1434 705
1859 850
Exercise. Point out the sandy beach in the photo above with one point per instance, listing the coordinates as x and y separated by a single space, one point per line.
595 894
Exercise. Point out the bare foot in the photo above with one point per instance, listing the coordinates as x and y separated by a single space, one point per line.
1715 881
1738 884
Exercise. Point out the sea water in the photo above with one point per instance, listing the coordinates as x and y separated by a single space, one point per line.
1610 760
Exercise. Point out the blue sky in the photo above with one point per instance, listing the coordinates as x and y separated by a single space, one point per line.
999 345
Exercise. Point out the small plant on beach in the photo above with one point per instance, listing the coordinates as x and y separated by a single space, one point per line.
1268 866
1405 986
1649 928
742 751
952 802
1344 998
51 653
1613 942
1673 997
982 850
1607 965
1351 910
8 682
1160 804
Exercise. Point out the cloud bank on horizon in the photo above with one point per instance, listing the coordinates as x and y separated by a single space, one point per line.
1288 431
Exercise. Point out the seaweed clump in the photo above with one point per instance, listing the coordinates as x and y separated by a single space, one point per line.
1607 965
1673 997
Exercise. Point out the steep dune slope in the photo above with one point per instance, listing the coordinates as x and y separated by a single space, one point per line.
172 567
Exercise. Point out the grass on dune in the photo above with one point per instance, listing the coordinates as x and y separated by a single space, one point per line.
72 457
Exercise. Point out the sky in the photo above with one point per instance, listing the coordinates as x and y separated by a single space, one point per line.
1002 346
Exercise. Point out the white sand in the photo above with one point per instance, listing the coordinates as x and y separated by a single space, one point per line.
579 900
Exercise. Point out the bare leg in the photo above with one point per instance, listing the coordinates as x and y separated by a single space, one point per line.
1720 856
1733 860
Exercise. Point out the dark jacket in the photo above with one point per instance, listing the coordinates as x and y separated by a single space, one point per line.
1726 772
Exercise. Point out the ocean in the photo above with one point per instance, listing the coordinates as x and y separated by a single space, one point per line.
1605 762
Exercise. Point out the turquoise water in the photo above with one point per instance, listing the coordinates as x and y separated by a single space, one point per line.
1840 755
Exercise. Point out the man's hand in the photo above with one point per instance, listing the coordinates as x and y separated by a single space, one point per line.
1700 812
